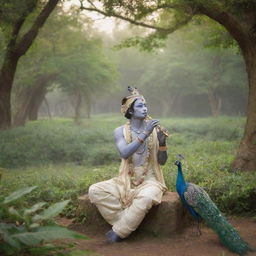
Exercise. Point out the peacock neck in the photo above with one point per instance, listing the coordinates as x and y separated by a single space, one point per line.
180 183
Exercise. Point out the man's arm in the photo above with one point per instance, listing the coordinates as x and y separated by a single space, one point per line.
125 149
162 152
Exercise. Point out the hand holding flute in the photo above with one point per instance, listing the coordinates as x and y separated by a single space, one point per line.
162 132
158 127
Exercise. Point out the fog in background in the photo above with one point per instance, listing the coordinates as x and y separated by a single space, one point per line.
191 74
185 78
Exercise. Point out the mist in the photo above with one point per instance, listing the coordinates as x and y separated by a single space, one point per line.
184 77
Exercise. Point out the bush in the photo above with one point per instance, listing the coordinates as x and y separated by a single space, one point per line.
221 128
55 182
233 193
61 141
26 231
58 141
63 159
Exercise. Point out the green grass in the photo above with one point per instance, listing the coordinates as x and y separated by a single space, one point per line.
92 143
64 159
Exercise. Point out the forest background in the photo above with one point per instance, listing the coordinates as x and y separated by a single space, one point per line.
67 86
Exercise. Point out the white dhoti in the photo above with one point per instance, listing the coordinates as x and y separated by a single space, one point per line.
121 202
124 220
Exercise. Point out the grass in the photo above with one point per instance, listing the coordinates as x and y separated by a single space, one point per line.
64 159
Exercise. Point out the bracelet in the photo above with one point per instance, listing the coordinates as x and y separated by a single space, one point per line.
140 140
162 148
145 133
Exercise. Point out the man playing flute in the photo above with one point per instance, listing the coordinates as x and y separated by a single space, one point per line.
123 201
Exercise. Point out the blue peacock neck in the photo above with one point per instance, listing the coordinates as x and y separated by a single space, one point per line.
180 182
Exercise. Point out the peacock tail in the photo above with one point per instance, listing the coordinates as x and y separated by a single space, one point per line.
206 208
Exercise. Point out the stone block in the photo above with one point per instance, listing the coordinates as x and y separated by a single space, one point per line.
165 219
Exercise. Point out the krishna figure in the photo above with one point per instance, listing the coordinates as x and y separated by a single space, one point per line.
123 201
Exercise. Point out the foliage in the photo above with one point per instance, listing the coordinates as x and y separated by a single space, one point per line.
57 141
186 70
76 60
168 16
178 79
208 145
60 141
233 193
26 231
56 182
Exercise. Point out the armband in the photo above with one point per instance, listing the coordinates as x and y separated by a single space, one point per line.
162 148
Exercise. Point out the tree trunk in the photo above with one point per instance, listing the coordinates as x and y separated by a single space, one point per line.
16 49
78 105
243 33
88 106
245 159
31 99
215 103
6 80
47 107
35 104
24 98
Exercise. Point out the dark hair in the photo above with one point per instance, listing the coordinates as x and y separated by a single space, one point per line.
130 109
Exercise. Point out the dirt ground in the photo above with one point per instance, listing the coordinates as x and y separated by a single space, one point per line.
187 243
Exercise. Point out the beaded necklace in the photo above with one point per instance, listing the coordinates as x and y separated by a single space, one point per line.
134 179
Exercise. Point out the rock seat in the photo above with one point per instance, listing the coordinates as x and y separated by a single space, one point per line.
165 219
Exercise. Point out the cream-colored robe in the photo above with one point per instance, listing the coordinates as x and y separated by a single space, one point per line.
123 205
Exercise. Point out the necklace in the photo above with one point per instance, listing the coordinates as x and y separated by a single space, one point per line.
141 149
135 178
137 131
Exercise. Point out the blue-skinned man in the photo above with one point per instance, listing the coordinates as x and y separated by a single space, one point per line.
123 201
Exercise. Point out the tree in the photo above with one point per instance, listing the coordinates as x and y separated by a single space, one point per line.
237 17
185 73
39 68
86 72
15 19
68 58
28 99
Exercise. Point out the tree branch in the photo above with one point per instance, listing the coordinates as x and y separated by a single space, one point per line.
16 29
229 22
30 36
123 18
135 22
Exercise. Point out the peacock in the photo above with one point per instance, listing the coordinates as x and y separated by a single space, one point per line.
201 207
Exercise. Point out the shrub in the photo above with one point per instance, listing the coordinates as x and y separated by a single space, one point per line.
63 160
26 231
44 142
233 193
61 141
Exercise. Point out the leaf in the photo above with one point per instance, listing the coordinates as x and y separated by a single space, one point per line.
9 240
34 225
5 231
15 213
47 249
51 211
18 193
45 234
34 208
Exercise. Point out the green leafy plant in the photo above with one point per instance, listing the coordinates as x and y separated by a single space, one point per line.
26 231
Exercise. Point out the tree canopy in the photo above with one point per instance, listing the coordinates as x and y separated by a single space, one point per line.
66 54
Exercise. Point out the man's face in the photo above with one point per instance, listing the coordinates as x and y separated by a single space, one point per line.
140 109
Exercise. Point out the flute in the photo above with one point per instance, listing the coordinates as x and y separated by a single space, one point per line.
159 127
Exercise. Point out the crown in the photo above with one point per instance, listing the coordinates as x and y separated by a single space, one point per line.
131 98
133 90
